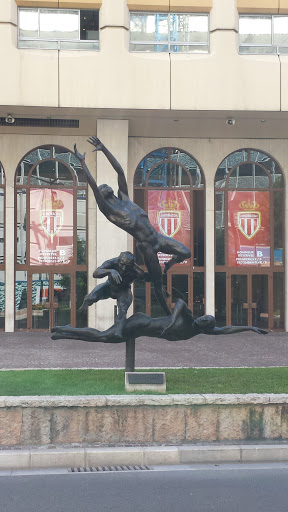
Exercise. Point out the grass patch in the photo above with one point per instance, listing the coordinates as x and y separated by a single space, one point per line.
111 382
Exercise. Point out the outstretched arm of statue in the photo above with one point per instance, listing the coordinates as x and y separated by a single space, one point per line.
180 306
232 329
108 268
99 146
92 182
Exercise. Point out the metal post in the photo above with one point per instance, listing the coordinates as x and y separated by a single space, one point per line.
130 355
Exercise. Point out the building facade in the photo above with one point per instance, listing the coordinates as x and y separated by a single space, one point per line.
191 96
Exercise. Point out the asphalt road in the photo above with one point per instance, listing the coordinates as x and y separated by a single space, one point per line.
237 488
37 350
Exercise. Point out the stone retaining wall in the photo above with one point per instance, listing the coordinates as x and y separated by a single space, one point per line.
174 419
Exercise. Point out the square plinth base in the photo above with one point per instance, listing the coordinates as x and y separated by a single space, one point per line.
145 381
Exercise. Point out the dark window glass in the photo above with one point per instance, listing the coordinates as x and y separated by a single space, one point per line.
220 228
139 297
89 25
278 300
198 216
51 172
81 291
156 309
239 308
278 227
179 287
220 298
198 294
260 301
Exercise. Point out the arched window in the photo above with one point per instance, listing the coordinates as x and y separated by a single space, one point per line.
51 246
249 240
169 185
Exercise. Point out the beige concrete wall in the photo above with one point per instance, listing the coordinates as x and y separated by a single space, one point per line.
8 12
116 78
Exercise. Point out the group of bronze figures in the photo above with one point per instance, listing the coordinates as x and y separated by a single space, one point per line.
123 270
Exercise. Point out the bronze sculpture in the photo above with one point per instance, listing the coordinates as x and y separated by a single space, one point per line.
121 272
128 216
179 326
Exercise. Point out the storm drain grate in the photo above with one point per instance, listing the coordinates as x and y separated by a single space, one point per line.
101 469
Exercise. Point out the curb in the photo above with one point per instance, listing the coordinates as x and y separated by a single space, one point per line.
44 458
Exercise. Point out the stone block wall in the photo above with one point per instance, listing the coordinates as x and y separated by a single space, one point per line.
172 419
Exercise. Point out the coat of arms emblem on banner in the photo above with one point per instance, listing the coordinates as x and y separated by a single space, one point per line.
249 220
52 216
169 219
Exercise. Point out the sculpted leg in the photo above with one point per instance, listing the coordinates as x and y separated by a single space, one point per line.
101 292
124 301
170 246
154 269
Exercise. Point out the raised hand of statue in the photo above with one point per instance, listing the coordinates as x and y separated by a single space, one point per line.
115 276
81 157
96 143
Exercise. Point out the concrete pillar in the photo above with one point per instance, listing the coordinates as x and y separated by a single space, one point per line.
209 249
110 239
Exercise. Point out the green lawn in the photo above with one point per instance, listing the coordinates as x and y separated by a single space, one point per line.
102 382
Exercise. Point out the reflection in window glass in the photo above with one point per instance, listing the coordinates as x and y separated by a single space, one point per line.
40 301
57 24
81 227
21 226
62 299
220 228
250 176
28 23
51 172
58 28
263 34
255 29
163 32
21 300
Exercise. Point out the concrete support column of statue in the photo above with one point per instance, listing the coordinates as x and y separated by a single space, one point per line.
9 258
209 250
110 239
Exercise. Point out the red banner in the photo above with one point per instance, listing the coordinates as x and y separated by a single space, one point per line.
248 229
169 214
51 227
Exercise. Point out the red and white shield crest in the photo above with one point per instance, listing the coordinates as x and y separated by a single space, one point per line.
51 221
169 222
249 223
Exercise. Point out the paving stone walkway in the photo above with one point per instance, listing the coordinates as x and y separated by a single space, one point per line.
37 350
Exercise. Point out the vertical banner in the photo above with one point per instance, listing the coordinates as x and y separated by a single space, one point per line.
248 229
169 214
51 227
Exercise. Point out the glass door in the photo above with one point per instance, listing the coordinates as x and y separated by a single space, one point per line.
239 299
51 300
260 301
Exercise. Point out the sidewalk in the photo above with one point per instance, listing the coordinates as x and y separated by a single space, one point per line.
37 350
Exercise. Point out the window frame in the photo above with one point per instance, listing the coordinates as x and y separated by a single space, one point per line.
170 43
271 45
81 42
